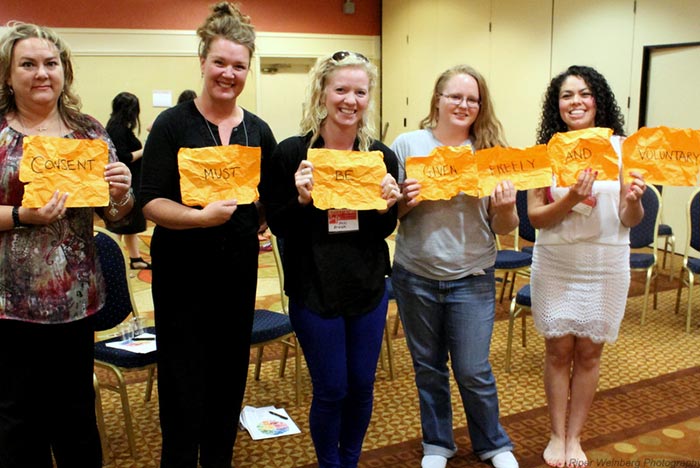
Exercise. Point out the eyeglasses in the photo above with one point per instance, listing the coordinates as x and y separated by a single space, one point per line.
343 54
456 100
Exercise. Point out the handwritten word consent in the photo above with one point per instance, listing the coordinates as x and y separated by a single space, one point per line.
513 166
223 173
42 164
666 155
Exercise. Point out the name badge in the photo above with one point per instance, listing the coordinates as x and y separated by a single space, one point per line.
342 221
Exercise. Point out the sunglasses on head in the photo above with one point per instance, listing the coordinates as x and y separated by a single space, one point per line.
342 54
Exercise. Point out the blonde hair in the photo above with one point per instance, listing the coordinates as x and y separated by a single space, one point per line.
226 21
486 131
68 102
315 113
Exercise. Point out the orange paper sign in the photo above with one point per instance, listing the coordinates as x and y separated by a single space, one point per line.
347 179
574 151
217 173
68 165
445 172
527 168
664 156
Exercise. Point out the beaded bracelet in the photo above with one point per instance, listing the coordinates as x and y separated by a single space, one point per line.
114 206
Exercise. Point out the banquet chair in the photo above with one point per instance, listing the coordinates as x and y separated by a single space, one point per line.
666 232
645 235
511 262
525 230
99 415
387 334
691 265
520 306
271 327
119 307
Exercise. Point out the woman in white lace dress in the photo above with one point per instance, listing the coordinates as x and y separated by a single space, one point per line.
580 271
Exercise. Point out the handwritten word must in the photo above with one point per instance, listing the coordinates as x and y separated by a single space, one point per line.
224 173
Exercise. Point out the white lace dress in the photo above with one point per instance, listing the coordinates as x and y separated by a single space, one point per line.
580 289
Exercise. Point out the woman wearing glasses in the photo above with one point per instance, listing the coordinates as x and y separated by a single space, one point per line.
335 280
443 275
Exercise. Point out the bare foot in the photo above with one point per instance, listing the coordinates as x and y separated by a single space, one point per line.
555 453
575 457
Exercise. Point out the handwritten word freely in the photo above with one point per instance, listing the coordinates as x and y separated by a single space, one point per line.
223 173
513 166
42 164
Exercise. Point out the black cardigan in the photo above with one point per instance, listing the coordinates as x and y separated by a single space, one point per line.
340 274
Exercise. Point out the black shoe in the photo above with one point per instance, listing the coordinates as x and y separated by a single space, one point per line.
139 263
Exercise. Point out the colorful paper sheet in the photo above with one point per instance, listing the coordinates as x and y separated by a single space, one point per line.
663 156
68 165
445 172
574 151
217 173
347 179
527 168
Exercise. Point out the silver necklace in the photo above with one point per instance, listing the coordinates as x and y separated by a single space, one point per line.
39 128
216 143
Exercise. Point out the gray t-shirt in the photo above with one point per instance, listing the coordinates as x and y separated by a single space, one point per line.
443 240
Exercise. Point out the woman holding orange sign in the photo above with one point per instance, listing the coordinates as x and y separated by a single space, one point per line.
443 274
50 275
581 257
335 260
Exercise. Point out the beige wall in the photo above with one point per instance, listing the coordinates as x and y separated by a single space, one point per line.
143 61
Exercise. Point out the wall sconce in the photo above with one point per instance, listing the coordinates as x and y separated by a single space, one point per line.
349 7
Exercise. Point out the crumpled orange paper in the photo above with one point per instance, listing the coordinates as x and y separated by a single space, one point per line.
664 156
347 179
574 151
527 168
68 165
445 172
216 173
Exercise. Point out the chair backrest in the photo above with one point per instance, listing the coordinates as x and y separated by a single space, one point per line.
525 229
644 234
280 270
693 222
113 263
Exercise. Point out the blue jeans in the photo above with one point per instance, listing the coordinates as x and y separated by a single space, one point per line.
341 354
455 319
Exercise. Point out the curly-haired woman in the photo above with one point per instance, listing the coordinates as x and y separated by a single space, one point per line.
579 258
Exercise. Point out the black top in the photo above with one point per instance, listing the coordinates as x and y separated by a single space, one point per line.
183 126
126 143
340 274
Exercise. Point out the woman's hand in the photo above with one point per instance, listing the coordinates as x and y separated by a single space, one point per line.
390 191
304 181
502 211
583 188
635 188
54 210
217 213
118 175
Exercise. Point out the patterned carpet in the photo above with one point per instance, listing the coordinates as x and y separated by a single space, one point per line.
646 412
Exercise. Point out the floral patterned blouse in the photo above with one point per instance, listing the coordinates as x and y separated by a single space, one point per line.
48 274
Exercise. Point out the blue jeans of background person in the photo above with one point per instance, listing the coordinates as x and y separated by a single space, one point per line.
455 319
341 354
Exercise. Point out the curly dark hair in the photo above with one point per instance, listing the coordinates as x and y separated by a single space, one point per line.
608 113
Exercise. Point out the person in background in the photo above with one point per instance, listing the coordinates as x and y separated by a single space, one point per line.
122 122
51 278
186 95
443 279
579 259
205 259
335 280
